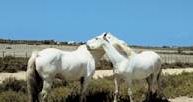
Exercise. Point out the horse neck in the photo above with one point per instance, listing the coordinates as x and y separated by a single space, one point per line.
82 49
112 53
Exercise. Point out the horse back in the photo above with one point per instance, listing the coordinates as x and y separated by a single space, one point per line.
145 61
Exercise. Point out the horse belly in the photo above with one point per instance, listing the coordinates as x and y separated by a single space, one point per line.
73 73
140 73
141 69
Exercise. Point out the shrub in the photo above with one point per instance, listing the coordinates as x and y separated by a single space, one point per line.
11 84
13 64
100 90
176 65
178 85
12 96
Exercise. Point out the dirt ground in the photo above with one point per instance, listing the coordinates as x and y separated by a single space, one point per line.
102 73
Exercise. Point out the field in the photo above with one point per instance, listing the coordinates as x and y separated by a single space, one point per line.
175 82
100 90
24 50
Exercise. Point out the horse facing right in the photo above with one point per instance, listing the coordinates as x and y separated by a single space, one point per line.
45 65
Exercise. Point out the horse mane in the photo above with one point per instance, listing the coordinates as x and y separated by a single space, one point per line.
121 46
124 50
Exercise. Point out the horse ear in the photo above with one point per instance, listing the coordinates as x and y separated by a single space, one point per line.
105 37
105 34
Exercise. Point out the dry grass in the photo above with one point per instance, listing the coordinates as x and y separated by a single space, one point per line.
24 50
14 64
100 90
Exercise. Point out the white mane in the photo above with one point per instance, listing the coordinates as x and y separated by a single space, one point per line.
120 45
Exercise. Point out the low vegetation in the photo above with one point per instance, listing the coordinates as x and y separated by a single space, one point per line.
100 90
15 64
178 85
177 65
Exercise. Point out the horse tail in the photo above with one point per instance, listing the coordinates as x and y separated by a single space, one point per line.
154 78
34 81
159 64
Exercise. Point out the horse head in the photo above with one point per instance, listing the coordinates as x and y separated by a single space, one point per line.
97 42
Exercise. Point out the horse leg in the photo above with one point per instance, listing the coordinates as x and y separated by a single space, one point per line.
156 77
84 83
46 88
116 89
155 83
158 80
129 82
149 82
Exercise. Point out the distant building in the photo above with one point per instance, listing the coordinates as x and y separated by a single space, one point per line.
71 42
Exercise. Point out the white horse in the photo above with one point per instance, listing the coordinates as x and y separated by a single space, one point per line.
45 65
120 45
138 66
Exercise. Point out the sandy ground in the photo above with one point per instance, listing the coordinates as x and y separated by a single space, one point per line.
19 76
102 73
176 71
182 99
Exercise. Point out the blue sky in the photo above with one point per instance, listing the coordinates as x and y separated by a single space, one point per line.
139 22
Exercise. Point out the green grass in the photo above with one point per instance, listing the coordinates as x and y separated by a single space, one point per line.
100 90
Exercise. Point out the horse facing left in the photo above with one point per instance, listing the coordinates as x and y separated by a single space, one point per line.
45 65
145 65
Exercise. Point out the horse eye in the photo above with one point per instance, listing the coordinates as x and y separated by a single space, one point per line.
97 38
